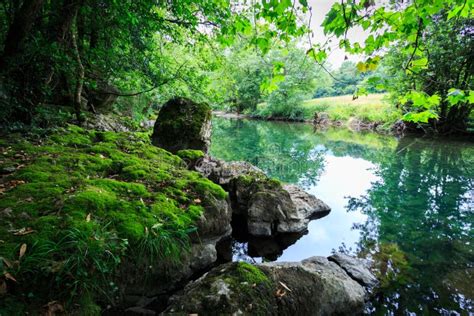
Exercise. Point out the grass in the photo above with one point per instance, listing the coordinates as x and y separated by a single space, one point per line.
78 204
368 109
372 108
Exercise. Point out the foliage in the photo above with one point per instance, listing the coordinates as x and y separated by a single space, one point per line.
83 203
433 47
416 241
67 52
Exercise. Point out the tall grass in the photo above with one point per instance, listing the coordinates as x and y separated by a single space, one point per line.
370 109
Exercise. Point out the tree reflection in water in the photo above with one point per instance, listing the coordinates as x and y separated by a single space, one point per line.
419 228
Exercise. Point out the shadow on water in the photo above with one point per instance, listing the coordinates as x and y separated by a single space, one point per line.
408 205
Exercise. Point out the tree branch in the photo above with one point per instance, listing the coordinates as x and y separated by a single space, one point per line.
133 94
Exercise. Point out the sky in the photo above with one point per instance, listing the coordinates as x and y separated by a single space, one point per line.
319 9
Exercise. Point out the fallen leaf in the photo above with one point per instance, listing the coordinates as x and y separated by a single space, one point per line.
22 231
56 266
7 262
285 286
197 201
280 293
88 217
8 276
22 250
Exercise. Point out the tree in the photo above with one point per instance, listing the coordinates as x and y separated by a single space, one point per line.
417 28
117 42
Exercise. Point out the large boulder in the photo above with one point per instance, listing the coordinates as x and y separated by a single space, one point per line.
267 215
268 206
183 124
315 286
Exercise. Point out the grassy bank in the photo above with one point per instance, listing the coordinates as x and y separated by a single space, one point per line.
367 109
78 204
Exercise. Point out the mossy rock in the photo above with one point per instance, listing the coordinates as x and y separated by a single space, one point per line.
83 203
183 124
235 288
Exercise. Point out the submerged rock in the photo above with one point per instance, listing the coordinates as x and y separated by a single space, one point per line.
315 286
183 124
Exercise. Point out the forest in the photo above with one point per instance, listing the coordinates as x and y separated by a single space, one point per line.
63 59
164 157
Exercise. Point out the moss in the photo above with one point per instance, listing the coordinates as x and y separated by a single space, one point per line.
177 129
190 154
251 291
258 181
251 274
89 199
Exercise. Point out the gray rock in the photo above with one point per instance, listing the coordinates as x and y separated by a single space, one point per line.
315 286
7 170
222 172
307 208
268 206
106 122
356 268
183 124
321 118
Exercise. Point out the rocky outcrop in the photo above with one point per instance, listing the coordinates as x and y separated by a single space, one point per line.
268 206
321 118
315 286
266 214
166 277
183 124
222 172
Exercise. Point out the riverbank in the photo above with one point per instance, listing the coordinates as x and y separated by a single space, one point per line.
370 112
102 222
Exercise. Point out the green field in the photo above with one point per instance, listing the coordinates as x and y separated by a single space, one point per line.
371 108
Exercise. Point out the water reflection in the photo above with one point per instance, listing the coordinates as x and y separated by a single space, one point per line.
408 205
419 226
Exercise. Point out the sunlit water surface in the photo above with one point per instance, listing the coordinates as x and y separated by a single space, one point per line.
407 205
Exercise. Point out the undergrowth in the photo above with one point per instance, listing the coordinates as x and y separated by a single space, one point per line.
75 205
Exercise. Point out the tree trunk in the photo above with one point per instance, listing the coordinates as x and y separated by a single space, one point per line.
19 29
80 71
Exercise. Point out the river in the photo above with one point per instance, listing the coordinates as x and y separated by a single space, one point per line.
405 204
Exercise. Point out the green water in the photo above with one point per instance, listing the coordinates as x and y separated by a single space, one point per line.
407 205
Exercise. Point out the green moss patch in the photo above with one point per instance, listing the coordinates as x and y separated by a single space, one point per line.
237 287
78 203
190 154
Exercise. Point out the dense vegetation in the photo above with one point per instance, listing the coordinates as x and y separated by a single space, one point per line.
77 57
76 207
